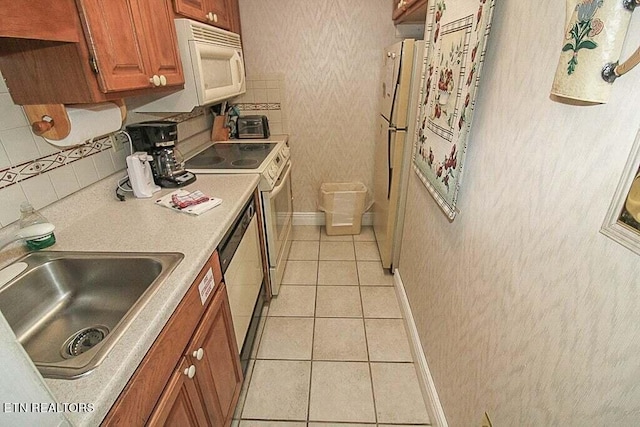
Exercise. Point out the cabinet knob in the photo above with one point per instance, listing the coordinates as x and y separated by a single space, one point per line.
163 80
190 371
215 17
155 80
198 354
209 16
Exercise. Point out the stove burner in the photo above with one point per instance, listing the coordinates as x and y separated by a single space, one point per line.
255 147
206 160
244 162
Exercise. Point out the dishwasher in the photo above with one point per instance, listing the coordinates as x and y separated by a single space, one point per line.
241 262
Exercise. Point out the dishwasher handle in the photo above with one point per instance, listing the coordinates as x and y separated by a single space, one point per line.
232 239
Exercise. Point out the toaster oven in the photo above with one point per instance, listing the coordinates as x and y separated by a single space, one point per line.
253 127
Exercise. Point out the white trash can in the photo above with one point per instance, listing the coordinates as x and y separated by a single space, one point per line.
343 204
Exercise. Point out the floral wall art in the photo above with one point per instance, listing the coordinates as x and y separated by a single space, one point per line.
455 45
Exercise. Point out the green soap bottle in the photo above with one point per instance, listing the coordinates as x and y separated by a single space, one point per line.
30 216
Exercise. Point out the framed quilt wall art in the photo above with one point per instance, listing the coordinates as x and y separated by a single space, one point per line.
455 45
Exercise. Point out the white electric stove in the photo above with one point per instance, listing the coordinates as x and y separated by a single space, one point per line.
271 159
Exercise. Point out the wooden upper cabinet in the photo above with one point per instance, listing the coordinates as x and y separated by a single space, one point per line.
115 44
157 19
180 404
214 353
409 11
25 19
132 41
124 48
194 9
221 10
213 12
234 10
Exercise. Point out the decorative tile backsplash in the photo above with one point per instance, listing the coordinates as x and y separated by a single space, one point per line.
265 97
34 170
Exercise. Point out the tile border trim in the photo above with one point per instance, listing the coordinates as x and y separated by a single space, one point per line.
257 106
427 385
24 171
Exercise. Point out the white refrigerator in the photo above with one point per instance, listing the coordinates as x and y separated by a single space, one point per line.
396 123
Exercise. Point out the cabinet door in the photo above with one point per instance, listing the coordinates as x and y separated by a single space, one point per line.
220 9
234 16
219 376
160 35
110 28
213 12
39 19
180 403
195 9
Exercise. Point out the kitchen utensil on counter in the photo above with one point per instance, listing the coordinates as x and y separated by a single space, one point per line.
158 139
140 175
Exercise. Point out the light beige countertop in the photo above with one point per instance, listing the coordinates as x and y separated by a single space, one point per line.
94 220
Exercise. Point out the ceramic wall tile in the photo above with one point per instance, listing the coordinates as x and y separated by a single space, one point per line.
24 156
119 158
11 115
64 181
45 148
86 172
11 198
39 191
4 159
19 145
104 164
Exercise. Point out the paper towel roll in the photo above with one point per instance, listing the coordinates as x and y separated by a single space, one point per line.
90 121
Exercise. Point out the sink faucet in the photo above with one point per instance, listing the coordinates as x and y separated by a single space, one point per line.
28 233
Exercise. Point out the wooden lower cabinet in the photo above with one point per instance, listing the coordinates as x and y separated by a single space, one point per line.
192 375
213 355
218 372
180 404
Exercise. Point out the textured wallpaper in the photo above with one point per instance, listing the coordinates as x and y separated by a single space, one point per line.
524 309
330 52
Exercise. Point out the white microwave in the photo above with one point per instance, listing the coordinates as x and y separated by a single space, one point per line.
213 68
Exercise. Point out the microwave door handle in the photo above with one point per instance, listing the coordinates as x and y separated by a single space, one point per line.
240 70
281 183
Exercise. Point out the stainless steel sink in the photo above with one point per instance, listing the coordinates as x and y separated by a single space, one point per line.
68 309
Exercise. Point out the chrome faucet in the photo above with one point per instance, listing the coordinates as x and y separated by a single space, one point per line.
28 233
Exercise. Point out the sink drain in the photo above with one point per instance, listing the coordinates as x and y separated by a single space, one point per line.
84 340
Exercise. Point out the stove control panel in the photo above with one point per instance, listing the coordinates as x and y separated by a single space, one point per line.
275 168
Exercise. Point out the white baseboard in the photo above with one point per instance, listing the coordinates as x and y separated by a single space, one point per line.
428 387
317 218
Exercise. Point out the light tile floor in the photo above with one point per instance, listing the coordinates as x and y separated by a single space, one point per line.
332 348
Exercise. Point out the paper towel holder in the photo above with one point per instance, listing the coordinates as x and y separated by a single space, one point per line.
51 121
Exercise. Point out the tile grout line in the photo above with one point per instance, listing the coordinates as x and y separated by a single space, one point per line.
313 332
366 342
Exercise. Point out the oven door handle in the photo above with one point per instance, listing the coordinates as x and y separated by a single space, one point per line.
281 183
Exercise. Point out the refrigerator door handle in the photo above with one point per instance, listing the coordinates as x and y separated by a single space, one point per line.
390 159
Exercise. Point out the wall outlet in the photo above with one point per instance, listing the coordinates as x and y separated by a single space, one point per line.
486 422
119 141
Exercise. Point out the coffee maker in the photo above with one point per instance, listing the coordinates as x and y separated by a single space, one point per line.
158 138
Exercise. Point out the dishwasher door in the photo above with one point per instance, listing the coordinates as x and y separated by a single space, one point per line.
243 278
